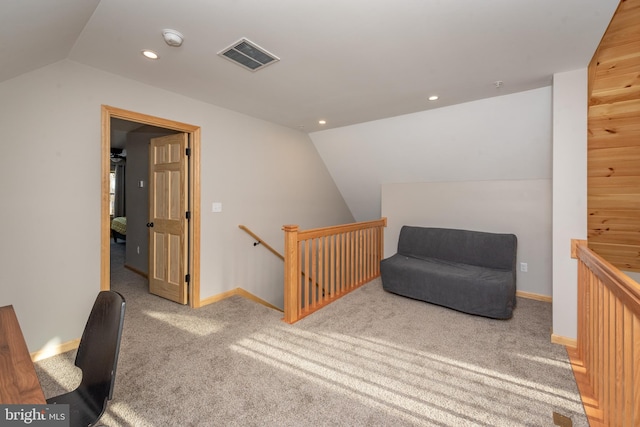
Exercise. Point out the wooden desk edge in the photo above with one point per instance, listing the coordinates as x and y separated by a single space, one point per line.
19 383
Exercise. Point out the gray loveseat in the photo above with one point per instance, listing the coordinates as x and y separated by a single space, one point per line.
469 271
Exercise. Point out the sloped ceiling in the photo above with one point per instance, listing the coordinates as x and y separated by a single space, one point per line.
342 61
34 33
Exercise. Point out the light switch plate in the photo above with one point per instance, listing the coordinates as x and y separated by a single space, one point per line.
216 207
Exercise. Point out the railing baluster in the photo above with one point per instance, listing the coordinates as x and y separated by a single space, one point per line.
352 259
610 380
347 265
360 263
628 368
593 365
334 264
340 263
635 362
314 288
365 253
325 264
356 258
619 367
604 355
309 299
347 260
356 251
362 267
595 320
343 261
371 233
300 281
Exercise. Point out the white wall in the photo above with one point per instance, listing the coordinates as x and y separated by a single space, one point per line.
264 174
521 207
633 274
503 138
569 193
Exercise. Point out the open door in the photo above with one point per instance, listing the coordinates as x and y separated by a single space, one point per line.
168 227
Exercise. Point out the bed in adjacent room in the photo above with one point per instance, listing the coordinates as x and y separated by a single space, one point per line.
119 228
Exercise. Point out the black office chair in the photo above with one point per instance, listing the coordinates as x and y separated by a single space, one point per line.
97 358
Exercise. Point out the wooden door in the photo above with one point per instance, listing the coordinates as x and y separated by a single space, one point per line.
168 217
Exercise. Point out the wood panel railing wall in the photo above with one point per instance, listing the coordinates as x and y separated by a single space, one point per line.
606 361
613 153
323 264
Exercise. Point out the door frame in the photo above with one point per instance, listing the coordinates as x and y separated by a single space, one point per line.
107 114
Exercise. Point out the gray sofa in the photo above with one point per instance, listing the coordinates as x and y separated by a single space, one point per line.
469 271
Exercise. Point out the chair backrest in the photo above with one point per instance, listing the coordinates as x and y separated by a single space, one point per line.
99 347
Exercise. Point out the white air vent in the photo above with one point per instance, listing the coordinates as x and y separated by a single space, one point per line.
248 55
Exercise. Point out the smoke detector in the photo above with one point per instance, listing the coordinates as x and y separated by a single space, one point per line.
172 37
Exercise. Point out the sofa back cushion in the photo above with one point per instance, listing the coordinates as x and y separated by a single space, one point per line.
479 248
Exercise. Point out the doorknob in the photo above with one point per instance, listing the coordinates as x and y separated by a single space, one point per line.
149 224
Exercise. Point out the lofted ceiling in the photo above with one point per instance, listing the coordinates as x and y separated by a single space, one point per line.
344 61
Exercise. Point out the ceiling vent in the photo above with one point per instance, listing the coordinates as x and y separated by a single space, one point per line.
248 55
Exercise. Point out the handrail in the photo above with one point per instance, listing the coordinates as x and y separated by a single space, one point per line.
607 357
337 229
624 287
260 241
336 259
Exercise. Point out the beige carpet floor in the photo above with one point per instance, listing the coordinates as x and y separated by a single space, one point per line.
370 359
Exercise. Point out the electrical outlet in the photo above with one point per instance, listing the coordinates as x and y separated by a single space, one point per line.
524 267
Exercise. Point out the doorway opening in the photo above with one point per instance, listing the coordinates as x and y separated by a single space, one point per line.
193 175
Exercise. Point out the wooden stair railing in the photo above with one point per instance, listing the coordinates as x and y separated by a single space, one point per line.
606 361
337 259
260 241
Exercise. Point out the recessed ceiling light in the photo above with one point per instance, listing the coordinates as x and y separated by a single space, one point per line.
150 54
433 97
322 122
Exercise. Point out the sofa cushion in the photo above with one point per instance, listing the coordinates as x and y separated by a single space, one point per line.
464 287
478 248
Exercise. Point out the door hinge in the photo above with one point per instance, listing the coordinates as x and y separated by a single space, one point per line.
187 278
188 151
188 215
